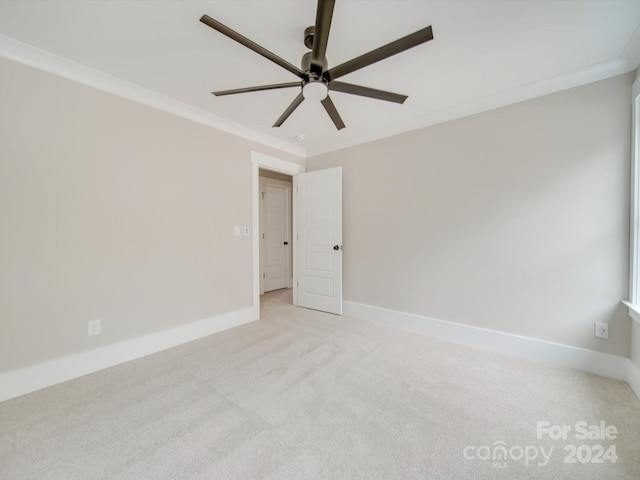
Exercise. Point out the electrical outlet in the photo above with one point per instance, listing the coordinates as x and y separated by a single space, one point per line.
93 327
601 330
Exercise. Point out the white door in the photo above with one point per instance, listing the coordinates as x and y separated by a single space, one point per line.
320 240
275 237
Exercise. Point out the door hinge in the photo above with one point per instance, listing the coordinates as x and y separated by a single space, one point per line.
263 276
263 195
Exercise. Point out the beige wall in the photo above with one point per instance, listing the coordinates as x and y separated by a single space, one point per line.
514 219
115 211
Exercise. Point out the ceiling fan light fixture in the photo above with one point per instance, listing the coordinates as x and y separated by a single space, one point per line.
315 90
315 74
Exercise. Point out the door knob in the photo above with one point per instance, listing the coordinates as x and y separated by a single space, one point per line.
336 247
286 243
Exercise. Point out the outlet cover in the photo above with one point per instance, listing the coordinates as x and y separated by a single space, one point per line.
93 327
601 330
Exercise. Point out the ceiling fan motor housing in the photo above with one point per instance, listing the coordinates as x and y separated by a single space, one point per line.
305 63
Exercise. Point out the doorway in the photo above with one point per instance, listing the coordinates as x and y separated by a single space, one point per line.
317 229
272 164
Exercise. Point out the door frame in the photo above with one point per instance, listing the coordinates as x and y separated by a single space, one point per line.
267 162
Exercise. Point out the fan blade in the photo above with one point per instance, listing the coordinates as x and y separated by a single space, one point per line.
321 35
367 92
333 113
296 102
232 34
256 89
386 51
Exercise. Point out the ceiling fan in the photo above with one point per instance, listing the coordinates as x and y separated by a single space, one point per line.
316 79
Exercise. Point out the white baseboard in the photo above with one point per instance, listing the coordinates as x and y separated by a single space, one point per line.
35 377
29 379
604 364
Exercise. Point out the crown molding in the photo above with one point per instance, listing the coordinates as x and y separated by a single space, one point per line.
632 51
42 60
543 87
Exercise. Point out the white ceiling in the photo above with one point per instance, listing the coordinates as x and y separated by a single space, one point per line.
484 54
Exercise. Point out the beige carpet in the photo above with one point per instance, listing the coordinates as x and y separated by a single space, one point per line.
306 395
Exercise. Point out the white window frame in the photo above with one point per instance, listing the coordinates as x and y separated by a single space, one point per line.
634 224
